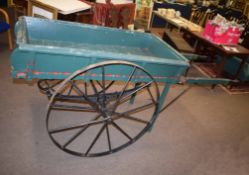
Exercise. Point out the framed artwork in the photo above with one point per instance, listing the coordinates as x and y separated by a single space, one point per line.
40 10
143 14
246 10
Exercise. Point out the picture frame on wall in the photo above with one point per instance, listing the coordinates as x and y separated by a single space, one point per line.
143 15
246 10
40 10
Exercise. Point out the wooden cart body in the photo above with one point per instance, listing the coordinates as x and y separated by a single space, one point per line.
49 49
56 50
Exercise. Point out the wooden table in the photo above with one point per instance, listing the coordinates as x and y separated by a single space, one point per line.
196 32
235 50
66 7
115 2
174 38
178 22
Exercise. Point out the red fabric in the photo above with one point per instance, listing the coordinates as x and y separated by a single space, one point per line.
215 34
102 16
131 6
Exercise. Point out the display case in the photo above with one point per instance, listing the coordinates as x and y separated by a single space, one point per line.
143 14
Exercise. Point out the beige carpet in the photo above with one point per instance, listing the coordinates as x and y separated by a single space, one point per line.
204 133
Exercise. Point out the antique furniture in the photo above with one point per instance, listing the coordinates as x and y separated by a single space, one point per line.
102 83
184 9
178 22
5 26
51 8
225 52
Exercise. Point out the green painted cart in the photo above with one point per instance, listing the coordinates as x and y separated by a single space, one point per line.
102 83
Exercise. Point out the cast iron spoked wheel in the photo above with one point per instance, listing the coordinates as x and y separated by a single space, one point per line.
85 118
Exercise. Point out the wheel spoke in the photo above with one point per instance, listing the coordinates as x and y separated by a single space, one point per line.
103 79
99 84
140 88
122 115
103 84
94 87
78 133
85 84
71 107
121 130
123 90
107 86
87 99
95 90
70 89
138 109
71 127
108 137
95 139
74 86
151 96
110 84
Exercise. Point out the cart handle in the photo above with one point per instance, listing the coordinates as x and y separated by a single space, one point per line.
206 81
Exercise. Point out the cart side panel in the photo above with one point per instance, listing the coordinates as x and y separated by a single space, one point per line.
48 49
166 73
41 29
74 35
22 64
30 65
40 65
161 49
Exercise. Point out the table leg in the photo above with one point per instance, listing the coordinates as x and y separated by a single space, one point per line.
240 68
152 19
166 25
221 65
195 44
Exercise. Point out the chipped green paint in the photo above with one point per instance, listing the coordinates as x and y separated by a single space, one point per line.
48 49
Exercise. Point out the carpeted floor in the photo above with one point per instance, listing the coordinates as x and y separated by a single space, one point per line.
206 132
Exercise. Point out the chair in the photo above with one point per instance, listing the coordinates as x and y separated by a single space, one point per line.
197 16
5 26
207 16
200 17
20 8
